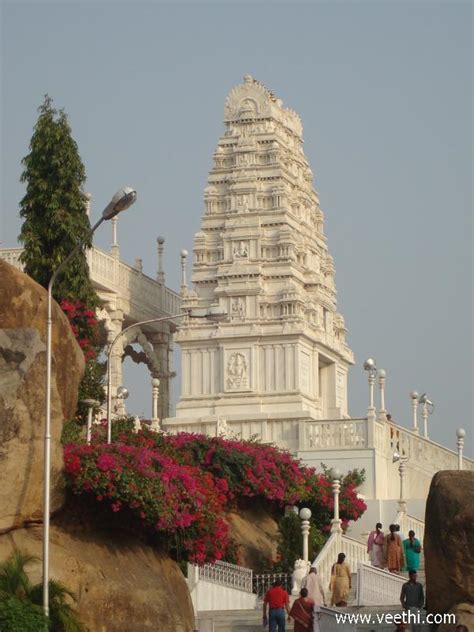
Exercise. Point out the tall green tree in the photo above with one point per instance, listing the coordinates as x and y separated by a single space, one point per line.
54 207
55 219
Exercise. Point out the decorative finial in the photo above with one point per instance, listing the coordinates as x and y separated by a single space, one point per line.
248 79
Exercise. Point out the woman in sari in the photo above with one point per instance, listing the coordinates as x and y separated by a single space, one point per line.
393 551
302 612
412 550
340 582
375 545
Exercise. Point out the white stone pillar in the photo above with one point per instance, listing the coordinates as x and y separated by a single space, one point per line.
401 470
371 368
382 412
461 433
424 414
305 515
160 275
414 408
155 387
336 488
115 249
184 284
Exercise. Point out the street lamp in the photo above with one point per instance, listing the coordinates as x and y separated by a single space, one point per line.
213 313
371 367
122 200
428 408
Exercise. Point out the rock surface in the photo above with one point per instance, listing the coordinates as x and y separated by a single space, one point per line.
449 541
121 584
464 614
22 396
256 532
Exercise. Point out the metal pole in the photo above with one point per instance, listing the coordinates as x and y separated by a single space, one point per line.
47 423
89 425
109 372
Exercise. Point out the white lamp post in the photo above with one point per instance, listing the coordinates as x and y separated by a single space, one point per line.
460 433
414 407
213 313
120 202
402 460
91 404
336 488
371 368
382 412
305 515
428 408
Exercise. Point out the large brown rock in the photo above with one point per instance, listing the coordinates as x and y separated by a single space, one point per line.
120 583
449 541
22 396
256 533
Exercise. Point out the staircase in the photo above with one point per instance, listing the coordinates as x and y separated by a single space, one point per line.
232 621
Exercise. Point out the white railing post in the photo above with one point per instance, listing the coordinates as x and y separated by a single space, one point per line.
336 488
461 433
382 412
414 409
305 515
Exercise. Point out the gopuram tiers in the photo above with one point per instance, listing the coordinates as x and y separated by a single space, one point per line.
262 255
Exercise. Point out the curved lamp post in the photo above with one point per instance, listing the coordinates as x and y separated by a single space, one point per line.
213 313
122 200
428 408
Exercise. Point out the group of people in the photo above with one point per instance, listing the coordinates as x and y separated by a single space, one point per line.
393 551
305 610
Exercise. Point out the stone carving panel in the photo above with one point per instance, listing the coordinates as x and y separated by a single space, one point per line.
237 370
238 308
241 250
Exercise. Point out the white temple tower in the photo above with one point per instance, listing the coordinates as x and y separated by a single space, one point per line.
261 254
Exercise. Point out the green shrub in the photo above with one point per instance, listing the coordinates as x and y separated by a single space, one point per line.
20 615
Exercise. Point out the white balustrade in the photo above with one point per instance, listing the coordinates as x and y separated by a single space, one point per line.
354 550
12 256
410 523
336 433
377 587
225 574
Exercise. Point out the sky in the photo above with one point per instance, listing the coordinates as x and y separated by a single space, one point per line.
384 90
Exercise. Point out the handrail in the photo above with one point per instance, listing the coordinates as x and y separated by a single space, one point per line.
377 587
224 574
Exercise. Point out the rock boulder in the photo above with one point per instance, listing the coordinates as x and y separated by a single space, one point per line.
449 542
120 583
22 396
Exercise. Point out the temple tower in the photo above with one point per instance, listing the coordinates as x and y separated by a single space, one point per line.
262 255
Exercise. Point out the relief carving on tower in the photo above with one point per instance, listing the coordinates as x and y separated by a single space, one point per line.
238 308
241 251
237 372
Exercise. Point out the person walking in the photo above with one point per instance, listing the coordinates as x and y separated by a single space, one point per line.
340 584
302 612
313 583
393 551
277 601
412 599
375 544
412 551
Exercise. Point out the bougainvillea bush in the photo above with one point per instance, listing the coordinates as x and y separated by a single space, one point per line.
181 486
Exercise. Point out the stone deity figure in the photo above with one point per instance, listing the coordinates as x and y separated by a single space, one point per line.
237 371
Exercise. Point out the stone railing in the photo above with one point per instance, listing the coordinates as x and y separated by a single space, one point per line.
262 582
410 523
336 433
354 550
377 587
12 256
109 272
224 574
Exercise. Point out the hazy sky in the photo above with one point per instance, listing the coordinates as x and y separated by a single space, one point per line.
384 91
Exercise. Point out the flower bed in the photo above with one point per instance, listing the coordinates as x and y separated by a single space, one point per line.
181 486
